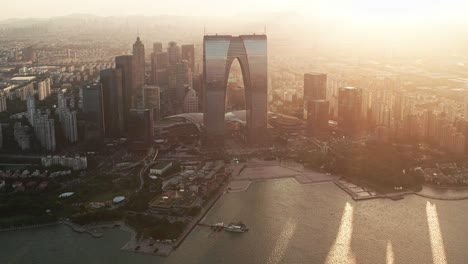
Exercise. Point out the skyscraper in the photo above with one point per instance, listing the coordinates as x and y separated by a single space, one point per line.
31 108
162 62
317 116
125 64
191 101
45 131
140 127
112 102
3 104
69 125
188 54
92 111
315 87
157 49
173 52
182 80
349 109
152 100
218 54
138 67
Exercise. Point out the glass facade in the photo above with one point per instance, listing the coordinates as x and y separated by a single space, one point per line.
218 53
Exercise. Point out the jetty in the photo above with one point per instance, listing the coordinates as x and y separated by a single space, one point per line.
81 230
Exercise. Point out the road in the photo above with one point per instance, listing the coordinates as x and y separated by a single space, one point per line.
146 165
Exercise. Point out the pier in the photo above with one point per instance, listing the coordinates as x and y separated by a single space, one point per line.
80 229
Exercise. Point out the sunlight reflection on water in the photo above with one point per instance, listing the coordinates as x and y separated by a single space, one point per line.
341 249
437 243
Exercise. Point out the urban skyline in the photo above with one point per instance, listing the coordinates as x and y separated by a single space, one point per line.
303 139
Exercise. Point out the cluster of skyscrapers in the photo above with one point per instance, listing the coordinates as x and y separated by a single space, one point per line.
387 113
126 103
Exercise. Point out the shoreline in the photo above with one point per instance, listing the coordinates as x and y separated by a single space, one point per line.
149 246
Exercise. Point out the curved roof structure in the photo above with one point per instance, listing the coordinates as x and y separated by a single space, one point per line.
197 118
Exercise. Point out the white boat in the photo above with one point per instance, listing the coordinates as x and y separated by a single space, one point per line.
238 228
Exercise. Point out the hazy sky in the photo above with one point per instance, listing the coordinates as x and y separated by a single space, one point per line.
452 10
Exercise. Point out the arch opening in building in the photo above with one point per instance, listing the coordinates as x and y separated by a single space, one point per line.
219 51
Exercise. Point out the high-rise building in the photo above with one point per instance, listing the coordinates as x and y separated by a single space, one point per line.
197 85
349 109
183 79
69 125
125 64
31 108
161 65
45 131
315 87
3 103
140 127
218 54
191 101
92 111
173 53
152 100
21 136
1 137
317 116
157 47
188 54
112 102
61 100
43 89
138 67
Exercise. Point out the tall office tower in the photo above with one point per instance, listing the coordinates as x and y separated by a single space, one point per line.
197 85
349 109
183 80
157 47
162 62
140 127
188 54
152 100
218 54
31 108
3 103
317 116
191 101
173 53
69 126
92 111
315 87
125 64
138 68
113 102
